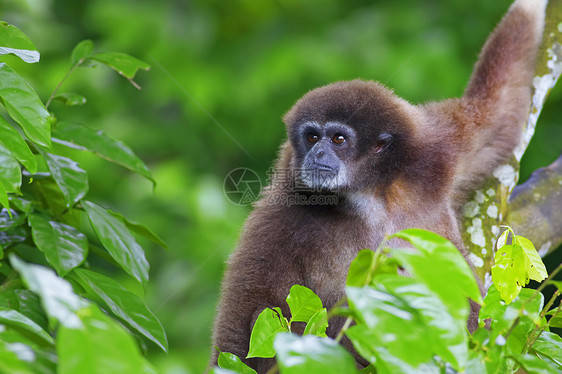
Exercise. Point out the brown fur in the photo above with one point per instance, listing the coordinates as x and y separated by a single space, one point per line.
443 150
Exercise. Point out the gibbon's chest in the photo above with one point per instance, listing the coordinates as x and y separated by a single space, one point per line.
331 248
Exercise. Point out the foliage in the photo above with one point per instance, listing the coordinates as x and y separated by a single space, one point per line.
515 264
58 313
414 324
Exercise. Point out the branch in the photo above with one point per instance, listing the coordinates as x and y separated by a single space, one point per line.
535 208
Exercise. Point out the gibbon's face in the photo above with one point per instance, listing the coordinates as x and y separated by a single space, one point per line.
326 149
347 136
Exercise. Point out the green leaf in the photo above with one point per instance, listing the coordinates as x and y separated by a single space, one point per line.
48 195
20 204
556 313
118 241
14 318
556 321
25 107
509 274
391 325
139 229
534 265
64 247
57 297
12 140
426 241
447 336
317 324
14 358
533 364
8 219
82 51
303 303
503 315
4 197
550 345
98 346
13 239
10 172
71 179
40 357
311 354
367 265
361 270
496 359
267 325
502 239
364 341
70 99
27 303
80 137
124 304
218 370
14 41
477 362
232 362
439 259
283 320
368 370
432 269
122 63
515 264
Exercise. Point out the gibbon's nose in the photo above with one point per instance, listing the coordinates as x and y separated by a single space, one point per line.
319 154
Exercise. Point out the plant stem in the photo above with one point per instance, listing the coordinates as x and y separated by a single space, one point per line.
371 271
62 81
550 302
554 315
533 336
515 323
545 283
343 329
274 369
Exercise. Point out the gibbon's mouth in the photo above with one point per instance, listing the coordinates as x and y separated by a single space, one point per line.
322 167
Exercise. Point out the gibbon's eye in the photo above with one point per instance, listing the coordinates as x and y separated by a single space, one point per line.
339 139
312 138
383 141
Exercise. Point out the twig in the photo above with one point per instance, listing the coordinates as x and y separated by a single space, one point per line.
62 81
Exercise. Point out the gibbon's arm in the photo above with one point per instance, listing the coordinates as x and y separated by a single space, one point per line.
495 106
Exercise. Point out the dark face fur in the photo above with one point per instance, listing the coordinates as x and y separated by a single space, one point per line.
348 136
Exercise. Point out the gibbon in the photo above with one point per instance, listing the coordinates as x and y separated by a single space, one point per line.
390 164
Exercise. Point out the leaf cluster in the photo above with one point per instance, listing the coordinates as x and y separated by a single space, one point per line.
58 312
515 264
411 324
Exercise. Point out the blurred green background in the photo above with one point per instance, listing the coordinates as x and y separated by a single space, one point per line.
223 74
